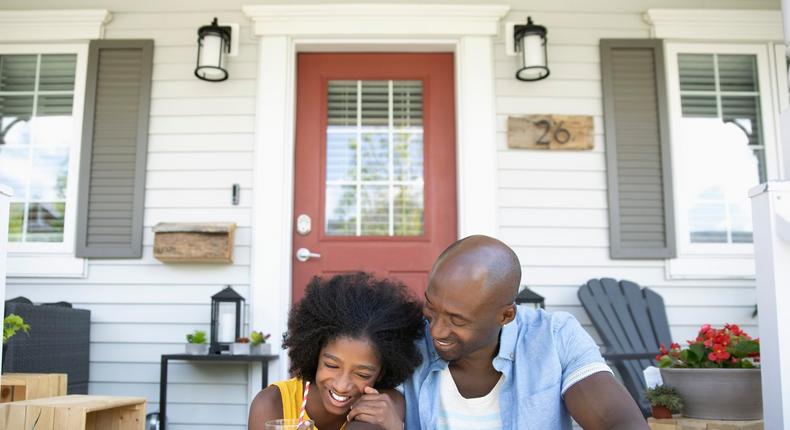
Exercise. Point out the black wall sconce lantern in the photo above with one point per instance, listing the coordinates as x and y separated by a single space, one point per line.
530 44
227 317
213 47
527 296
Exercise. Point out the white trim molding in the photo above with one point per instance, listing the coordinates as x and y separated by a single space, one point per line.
715 24
770 204
52 25
370 20
283 31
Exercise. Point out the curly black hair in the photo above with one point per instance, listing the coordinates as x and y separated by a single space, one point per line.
358 306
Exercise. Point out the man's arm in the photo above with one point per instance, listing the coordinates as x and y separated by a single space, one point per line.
600 402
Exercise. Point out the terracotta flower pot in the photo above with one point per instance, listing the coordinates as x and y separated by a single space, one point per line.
718 394
660 412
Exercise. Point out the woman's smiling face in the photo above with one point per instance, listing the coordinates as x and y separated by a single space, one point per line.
345 367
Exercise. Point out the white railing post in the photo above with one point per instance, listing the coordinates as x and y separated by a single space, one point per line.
5 198
771 218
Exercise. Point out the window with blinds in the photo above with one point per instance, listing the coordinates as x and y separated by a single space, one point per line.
36 134
374 159
722 145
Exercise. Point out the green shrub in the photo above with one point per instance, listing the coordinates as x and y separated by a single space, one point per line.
12 324
257 337
198 337
663 395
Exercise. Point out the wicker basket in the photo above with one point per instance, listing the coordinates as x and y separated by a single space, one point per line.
58 342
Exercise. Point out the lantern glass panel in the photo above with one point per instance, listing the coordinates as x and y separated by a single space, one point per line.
226 322
533 57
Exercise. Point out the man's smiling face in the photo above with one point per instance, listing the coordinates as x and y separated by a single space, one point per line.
463 316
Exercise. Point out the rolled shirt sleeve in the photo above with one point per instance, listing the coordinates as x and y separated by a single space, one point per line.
579 355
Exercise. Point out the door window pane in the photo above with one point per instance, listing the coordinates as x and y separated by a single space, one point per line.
721 121
341 210
341 156
374 188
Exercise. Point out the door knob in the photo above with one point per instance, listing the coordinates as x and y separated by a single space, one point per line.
304 254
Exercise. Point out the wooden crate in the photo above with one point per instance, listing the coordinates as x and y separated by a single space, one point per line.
194 242
74 412
695 424
29 386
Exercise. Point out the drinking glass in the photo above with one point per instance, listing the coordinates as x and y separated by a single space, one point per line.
289 424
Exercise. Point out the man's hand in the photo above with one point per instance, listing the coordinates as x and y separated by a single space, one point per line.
379 409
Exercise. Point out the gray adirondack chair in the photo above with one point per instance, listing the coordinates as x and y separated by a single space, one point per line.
632 323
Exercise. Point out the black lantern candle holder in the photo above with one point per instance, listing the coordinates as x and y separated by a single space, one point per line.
527 296
227 317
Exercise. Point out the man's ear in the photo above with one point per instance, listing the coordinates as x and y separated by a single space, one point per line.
508 314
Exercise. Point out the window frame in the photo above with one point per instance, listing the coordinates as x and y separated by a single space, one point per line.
24 257
691 255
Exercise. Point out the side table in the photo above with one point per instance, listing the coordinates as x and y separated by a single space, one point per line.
29 386
697 424
74 412
212 358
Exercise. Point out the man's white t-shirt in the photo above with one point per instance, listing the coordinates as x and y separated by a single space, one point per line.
459 413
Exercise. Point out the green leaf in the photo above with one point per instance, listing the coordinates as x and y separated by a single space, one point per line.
746 347
696 354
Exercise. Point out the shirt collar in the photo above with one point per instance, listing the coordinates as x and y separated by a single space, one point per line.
507 341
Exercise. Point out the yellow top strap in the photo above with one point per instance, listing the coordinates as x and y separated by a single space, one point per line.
291 395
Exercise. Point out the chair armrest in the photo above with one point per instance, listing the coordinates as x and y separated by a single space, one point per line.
629 356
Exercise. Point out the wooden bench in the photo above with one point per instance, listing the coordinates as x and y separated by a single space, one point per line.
29 386
75 412
695 424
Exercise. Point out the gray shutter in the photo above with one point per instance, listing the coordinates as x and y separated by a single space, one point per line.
114 147
641 219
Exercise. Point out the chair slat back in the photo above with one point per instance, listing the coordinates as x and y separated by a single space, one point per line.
629 319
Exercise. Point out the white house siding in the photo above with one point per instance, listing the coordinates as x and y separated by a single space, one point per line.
200 144
552 206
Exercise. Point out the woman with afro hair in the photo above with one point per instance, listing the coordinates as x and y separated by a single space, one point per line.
351 340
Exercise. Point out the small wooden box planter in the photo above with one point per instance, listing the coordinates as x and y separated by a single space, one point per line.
194 242
695 424
75 412
29 386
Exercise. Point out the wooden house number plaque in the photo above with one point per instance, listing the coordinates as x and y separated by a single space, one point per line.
572 132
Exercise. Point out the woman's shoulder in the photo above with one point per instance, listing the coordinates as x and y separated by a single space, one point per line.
267 405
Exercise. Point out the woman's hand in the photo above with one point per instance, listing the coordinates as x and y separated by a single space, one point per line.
379 409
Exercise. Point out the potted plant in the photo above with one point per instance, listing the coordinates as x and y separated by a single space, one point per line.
717 374
196 343
259 345
12 324
664 401
241 346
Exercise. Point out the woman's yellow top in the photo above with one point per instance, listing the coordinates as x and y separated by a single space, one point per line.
291 394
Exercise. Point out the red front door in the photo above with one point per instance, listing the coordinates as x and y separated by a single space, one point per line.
375 165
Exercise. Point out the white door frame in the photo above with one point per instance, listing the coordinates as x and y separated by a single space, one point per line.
285 30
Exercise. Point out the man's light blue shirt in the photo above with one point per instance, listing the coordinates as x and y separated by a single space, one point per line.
541 355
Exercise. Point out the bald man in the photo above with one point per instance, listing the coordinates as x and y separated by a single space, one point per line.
489 364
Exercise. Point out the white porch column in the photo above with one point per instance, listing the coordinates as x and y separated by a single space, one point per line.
5 198
771 218
273 197
476 127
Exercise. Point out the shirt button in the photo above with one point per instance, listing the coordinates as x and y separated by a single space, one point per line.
512 356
